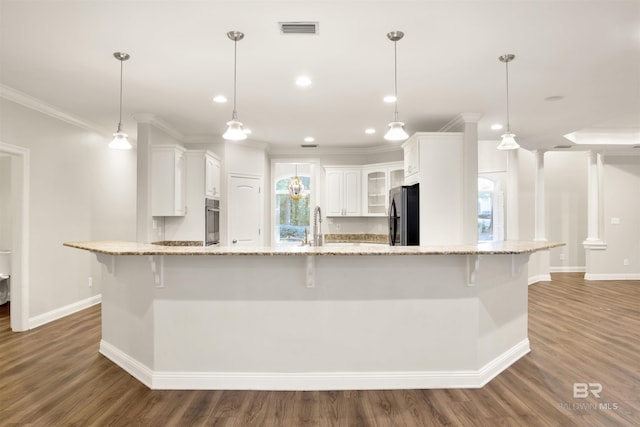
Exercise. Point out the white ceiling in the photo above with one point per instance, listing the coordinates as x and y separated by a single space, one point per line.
586 51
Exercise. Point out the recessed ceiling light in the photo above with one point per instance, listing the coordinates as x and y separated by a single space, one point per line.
303 81
370 131
246 131
389 98
554 98
496 126
309 139
220 99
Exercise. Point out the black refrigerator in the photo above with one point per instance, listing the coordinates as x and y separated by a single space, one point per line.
404 216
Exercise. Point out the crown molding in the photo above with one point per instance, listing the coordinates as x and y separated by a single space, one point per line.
460 120
335 151
40 106
152 119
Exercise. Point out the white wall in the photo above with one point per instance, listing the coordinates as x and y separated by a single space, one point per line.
5 202
79 190
566 205
621 185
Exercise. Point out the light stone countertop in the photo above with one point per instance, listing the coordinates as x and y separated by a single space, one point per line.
488 248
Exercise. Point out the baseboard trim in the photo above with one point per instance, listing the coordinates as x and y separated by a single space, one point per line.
61 312
306 381
630 276
568 269
136 369
539 278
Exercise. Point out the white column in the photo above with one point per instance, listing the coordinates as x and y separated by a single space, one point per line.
513 202
539 262
143 204
470 186
594 203
540 232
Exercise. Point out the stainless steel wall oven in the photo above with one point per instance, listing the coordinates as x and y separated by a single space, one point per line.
212 222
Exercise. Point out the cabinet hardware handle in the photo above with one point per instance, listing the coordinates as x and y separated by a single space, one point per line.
234 241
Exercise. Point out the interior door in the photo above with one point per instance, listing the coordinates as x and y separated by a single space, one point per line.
245 211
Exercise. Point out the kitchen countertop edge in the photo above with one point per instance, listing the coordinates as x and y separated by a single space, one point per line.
490 248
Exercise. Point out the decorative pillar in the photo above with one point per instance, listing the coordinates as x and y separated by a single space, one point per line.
540 232
539 262
513 202
470 186
595 217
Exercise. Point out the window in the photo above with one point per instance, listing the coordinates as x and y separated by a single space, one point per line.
490 211
292 218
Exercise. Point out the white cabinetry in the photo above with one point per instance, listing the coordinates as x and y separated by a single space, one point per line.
376 182
411 161
212 176
435 161
343 191
168 181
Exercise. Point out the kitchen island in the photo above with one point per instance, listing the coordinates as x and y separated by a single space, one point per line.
314 318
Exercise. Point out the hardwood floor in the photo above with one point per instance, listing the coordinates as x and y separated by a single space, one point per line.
580 332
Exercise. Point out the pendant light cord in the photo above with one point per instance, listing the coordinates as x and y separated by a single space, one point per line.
507 68
120 120
395 78
235 113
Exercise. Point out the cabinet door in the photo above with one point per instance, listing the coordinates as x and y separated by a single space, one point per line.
168 181
334 191
212 177
411 159
375 192
352 202
180 184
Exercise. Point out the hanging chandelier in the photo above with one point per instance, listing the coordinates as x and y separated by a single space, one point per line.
296 187
234 126
120 141
396 130
508 138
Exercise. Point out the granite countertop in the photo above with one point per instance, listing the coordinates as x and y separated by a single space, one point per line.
133 248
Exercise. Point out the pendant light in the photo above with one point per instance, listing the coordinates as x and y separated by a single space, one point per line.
508 138
120 141
396 130
234 130
296 187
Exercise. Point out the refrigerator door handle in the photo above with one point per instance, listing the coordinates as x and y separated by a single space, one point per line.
393 223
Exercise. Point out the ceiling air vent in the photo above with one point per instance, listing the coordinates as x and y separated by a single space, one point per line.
309 145
298 27
562 146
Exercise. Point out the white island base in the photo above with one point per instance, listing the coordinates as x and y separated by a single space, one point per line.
314 321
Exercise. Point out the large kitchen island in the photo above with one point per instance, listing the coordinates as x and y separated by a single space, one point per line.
314 318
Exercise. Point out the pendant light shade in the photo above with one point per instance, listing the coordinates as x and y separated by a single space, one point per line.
296 187
120 141
234 126
396 130
508 138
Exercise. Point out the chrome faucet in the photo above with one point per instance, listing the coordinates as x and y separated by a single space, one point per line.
317 226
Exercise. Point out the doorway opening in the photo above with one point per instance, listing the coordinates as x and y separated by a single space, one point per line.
15 226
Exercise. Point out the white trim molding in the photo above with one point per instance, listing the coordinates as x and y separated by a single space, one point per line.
568 269
40 106
597 276
539 278
61 312
158 380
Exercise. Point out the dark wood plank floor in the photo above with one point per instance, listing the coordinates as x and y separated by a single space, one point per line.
580 332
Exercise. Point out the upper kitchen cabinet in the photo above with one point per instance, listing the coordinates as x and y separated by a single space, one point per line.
212 176
342 191
168 181
376 181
